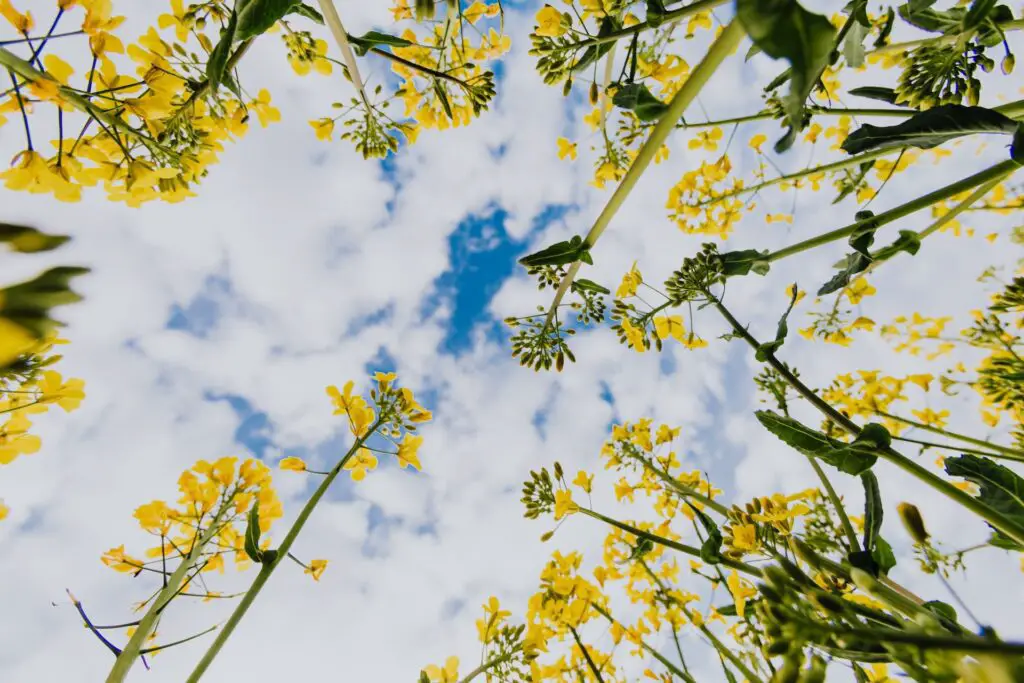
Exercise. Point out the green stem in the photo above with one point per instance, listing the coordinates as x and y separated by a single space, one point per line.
723 46
586 655
668 543
826 111
268 568
684 490
992 173
133 650
19 66
491 663
966 203
1011 452
940 40
654 653
927 642
972 451
182 641
994 517
851 535
721 647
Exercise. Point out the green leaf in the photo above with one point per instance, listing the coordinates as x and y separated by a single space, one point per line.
302 9
883 35
28 304
258 16
854 458
655 13
560 254
727 610
642 547
26 240
217 62
442 96
783 29
1017 146
252 534
853 45
977 14
921 15
908 241
873 92
589 286
609 24
768 348
362 44
711 549
929 128
884 557
745 261
1000 488
941 609
877 556
857 262
636 98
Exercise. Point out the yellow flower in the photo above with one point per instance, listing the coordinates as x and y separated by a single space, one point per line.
15 439
931 418
15 340
67 395
4 510
566 149
293 464
584 481
744 537
741 591
449 674
792 290
756 142
550 22
666 434
630 281
669 326
407 452
266 113
361 463
563 504
858 289
316 569
323 128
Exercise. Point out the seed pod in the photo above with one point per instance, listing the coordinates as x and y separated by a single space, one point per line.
913 522
547 536
567 88
558 470
1007 64
593 93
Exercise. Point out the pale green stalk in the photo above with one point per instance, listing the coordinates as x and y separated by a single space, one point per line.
333 22
267 568
723 46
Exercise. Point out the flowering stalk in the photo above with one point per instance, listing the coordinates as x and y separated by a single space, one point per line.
267 568
723 46
134 649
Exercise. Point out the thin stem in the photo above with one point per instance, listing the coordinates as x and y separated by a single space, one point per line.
723 46
29 39
133 650
928 642
89 625
994 517
418 67
668 543
668 17
962 206
686 491
654 653
972 451
157 648
844 519
491 663
1011 452
939 40
586 655
341 38
268 568
996 172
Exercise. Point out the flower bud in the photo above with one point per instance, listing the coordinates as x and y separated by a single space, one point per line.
1007 64
593 92
913 522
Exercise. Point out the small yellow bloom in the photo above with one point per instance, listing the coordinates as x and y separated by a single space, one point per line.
292 464
584 481
449 674
566 149
756 142
550 22
316 569
741 591
323 128
563 504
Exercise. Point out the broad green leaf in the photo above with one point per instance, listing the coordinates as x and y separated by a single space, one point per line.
302 9
28 304
560 254
26 240
217 62
879 93
362 44
745 261
908 241
252 535
853 44
930 128
857 262
768 348
638 99
877 556
853 458
941 609
442 96
1000 488
258 16
884 557
783 29
589 286
711 549
921 15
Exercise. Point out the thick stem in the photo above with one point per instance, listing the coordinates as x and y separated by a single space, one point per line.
341 38
268 568
844 519
133 650
723 46
992 174
939 40
994 517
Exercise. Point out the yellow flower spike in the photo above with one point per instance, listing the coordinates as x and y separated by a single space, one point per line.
292 464
316 569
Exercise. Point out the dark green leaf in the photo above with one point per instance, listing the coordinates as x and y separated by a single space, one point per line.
921 15
589 286
941 609
258 16
442 96
908 241
252 534
873 510
26 240
884 557
362 44
929 128
609 24
785 30
727 610
636 98
744 261
873 92
28 304
1000 488
642 547
302 9
1017 146
883 35
560 254
754 50
711 549
855 263
853 458
655 12
217 62
768 348
977 14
